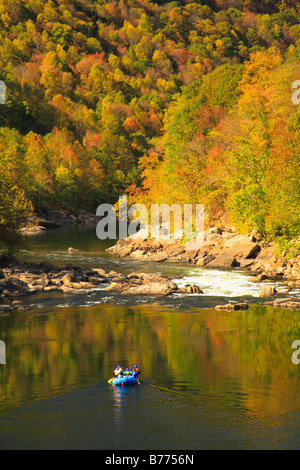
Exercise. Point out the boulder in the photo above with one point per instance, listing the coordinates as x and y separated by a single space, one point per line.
193 289
245 263
238 306
27 231
5 308
256 235
292 303
212 237
153 288
153 277
265 260
173 250
68 279
71 290
223 261
205 260
96 280
157 257
15 287
99 271
134 276
51 288
268 291
259 278
117 287
128 246
73 250
114 274
194 245
294 284
241 247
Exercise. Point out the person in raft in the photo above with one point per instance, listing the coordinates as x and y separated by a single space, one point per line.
136 372
118 372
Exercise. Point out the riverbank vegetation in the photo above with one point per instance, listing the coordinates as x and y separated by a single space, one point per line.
182 102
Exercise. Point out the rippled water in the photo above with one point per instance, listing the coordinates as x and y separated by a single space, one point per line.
210 379
234 283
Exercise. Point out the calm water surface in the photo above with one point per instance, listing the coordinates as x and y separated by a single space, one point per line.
211 379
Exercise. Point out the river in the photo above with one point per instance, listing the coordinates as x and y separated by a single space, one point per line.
211 379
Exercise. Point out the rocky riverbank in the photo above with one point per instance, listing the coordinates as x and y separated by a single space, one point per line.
18 280
55 219
221 249
224 249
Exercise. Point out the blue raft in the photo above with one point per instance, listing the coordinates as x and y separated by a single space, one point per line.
125 380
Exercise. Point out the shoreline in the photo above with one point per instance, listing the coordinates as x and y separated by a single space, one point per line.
22 279
222 249
54 219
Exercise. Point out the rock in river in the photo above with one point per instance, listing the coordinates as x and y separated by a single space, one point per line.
268 291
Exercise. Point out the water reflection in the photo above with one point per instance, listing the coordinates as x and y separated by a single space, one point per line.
119 398
235 360
123 397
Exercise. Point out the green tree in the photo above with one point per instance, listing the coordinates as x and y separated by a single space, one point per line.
14 208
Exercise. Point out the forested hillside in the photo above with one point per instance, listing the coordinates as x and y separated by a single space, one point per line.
170 102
